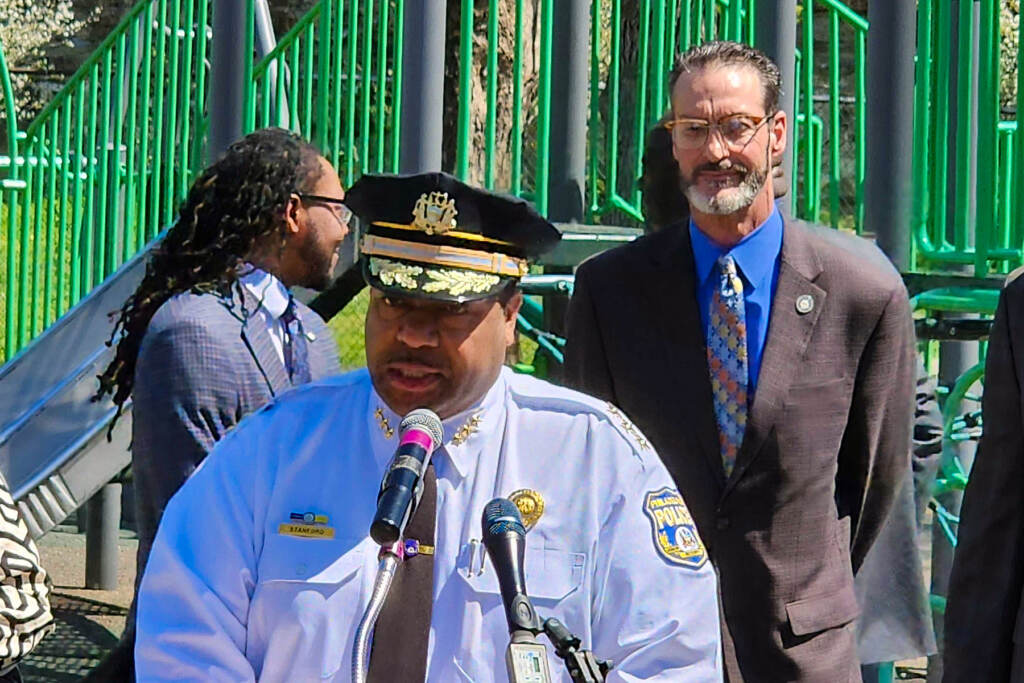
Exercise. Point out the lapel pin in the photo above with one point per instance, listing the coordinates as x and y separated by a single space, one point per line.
804 304
309 336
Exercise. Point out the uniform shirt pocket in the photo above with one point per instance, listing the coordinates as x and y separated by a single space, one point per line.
306 600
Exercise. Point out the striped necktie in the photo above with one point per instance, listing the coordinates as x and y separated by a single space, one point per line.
296 350
727 360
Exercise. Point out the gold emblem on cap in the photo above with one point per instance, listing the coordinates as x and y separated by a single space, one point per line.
530 504
434 213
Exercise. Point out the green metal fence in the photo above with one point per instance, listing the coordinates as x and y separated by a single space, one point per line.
952 228
335 77
103 166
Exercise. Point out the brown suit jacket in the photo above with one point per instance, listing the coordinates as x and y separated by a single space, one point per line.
827 439
984 627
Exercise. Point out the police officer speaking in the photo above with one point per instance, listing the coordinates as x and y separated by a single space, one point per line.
263 565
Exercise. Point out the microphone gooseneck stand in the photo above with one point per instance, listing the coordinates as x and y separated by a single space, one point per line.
390 556
583 666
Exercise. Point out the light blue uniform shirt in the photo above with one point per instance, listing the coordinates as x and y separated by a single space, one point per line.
757 258
228 597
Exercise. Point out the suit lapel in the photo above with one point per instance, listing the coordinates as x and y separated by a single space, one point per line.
789 331
683 359
261 346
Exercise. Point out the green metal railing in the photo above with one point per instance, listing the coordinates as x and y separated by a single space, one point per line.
628 93
950 226
103 166
845 85
335 77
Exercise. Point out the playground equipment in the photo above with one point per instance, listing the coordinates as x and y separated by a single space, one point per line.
98 174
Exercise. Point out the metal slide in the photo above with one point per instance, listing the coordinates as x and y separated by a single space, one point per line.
53 436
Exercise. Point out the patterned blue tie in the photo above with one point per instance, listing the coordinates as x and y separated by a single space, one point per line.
296 350
727 360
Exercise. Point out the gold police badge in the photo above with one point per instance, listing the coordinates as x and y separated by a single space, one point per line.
674 531
530 504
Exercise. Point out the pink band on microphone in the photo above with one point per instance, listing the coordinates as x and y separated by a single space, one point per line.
419 437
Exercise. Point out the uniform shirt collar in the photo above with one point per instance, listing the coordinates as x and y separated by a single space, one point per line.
755 254
268 290
462 449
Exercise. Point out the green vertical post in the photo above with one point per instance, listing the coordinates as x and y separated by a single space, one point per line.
492 92
323 77
614 87
102 152
337 50
184 175
144 168
988 134
860 105
964 122
308 39
10 199
517 97
940 109
89 247
116 226
54 256
171 148
200 99
130 228
593 123
66 205
382 81
544 103
396 91
364 124
1019 161
466 89
807 52
76 194
922 128
350 112
640 119
658 68
38 249
833 117
157 179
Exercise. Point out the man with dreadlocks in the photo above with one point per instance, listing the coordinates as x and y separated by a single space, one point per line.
212 332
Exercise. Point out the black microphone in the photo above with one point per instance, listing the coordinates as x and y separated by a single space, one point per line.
505 540
418 435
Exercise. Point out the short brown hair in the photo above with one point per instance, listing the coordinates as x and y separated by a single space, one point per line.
728 53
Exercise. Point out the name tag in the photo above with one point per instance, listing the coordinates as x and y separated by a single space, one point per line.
306 530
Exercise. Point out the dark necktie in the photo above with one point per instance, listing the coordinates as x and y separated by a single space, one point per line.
296 350
400 638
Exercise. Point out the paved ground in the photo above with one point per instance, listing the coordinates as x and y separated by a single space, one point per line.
88 621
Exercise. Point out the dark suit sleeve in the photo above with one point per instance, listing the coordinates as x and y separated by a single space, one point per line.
988 568
874 456
185 399
586 365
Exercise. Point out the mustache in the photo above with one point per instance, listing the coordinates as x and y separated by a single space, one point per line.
723 165
427 359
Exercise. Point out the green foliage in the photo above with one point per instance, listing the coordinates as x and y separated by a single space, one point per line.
1009 27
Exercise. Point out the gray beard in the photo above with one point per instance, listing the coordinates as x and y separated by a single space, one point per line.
733 200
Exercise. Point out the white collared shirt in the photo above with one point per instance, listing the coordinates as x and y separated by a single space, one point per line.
232 593
273 297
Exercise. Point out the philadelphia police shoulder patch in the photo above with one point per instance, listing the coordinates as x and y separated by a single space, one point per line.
674 531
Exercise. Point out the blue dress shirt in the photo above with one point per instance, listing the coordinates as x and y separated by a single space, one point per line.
757 258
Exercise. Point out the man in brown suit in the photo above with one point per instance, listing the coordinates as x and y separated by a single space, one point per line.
985 613
788 441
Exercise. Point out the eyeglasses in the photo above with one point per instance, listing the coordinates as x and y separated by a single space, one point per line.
736 130
451 316
337 206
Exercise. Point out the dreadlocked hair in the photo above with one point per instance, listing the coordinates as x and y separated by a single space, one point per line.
236 206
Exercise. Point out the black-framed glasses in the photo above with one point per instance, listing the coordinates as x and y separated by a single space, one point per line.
737 130
337 206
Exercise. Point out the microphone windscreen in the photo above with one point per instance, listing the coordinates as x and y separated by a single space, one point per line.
425 419
501 516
